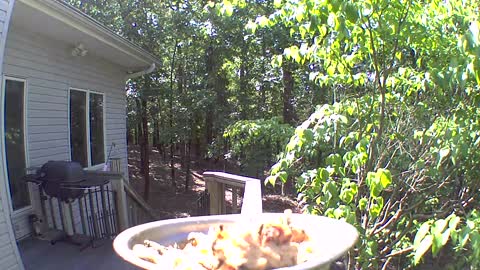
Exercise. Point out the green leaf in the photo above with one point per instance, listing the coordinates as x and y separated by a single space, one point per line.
347 195
362 204
277 60
339 212
299 15
454 220
422 231
227 8
351 12
385 177
331 70
376 207
322 175
277 3
331 189
423 247
439 226
283 176
308 135
270 180
276 168
262 21
375 189
445 236
443 153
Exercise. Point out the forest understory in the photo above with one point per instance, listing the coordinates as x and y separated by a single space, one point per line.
172 202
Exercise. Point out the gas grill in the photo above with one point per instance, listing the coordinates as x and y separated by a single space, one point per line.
57 178
66 183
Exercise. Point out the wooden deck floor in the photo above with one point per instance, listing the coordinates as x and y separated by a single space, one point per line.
41 255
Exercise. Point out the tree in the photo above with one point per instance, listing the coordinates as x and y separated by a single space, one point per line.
385 156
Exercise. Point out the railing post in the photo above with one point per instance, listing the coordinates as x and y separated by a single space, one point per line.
252 195
217 196
234 200
118 187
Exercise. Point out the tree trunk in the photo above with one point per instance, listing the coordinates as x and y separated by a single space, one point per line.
209 126
172 161
243 95
138 127
172 165
145 148
130 136
156 133
139 133
187 163
263 96
288 110
210 113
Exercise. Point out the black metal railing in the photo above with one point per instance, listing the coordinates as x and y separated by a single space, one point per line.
99 212
85 220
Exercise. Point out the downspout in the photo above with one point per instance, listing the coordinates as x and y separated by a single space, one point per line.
146 71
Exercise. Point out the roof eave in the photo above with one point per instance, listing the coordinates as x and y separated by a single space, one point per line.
77 19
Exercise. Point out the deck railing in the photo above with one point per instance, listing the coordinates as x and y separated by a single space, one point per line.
139 211
132 208
218 183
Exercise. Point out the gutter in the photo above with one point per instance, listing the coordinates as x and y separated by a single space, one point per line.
146 71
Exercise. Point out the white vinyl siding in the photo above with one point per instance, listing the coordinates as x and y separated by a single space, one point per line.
51 71
10 258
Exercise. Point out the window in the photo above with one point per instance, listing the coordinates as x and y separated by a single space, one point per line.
14 127
86 127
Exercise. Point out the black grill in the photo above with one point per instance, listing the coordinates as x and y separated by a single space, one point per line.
58 177
65 182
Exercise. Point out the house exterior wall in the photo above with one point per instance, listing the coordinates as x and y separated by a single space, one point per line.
10 259
50 71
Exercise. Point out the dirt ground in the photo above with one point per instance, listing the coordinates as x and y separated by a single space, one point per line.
175 203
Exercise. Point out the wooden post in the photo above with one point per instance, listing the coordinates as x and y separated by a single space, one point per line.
119 188
252 197
217 196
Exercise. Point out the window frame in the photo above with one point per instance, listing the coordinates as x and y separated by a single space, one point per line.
87 117
27 208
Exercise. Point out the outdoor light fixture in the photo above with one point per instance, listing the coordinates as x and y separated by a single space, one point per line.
79 50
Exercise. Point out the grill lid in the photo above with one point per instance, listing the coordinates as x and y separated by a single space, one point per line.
61 171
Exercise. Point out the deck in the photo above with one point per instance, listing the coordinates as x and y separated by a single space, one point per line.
41 255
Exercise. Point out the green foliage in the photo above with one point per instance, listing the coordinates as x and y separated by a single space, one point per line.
255 144
398 149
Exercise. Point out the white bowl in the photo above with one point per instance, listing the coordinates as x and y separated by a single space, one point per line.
333 237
